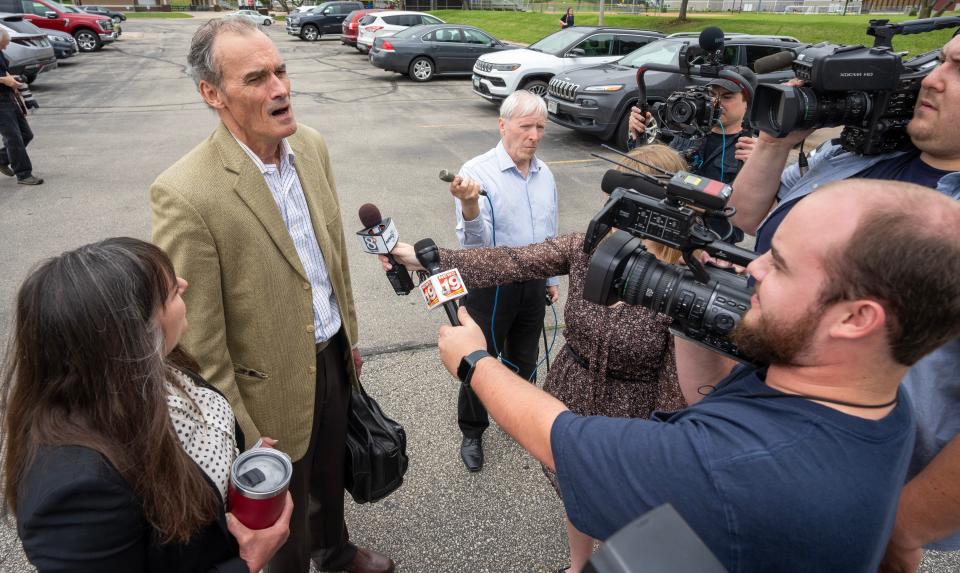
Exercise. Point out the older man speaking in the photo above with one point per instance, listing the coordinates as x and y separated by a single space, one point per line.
251 218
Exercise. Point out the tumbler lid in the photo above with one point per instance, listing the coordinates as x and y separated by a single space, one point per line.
261 472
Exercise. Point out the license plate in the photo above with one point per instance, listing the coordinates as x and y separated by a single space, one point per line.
476 82
551 106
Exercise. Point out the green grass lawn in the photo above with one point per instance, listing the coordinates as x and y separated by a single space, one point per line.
528 27
160 15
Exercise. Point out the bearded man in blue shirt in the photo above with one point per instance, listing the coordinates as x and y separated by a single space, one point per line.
518 207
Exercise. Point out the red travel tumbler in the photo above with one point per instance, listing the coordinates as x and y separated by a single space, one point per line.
258 484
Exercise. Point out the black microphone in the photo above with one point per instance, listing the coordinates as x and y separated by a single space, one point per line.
773 62
711 39
429 256
379 237
613 179
449 176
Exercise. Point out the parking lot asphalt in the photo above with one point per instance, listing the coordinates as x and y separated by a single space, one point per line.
110 122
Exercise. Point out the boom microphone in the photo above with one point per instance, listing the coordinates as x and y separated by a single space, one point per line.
613 179
773 62
379 237
442 287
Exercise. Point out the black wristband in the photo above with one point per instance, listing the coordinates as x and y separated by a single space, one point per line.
467 365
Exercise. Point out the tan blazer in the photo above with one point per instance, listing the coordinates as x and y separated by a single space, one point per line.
249 303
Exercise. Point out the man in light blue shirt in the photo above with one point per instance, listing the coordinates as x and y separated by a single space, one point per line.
518 207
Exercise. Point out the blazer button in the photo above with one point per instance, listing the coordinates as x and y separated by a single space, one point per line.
310 328
306 286
312 369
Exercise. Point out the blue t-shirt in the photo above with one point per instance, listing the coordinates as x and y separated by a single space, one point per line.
769 482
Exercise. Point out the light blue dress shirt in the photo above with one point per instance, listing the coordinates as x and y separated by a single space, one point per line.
284 185
525 208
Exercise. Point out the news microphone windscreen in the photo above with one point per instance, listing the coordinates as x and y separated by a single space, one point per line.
773 62
613 179
711 39
447 176
369 215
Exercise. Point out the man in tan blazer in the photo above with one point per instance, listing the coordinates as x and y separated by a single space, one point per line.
250 217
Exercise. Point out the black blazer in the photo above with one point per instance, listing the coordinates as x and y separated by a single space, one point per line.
76 513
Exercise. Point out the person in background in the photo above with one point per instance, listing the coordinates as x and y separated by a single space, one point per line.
616 361
520 208
14 128
566 21
117 459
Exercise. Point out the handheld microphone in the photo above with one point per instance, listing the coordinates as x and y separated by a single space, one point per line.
448 176
441 287
379 237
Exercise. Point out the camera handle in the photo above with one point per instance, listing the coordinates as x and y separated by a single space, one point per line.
883 31
702 238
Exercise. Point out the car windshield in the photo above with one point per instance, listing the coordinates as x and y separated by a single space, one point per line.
22 26
556 42
659 52
409 32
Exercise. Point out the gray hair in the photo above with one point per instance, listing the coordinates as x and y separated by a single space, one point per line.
200 59
522 103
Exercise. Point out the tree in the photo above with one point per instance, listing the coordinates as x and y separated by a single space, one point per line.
924 8
683 11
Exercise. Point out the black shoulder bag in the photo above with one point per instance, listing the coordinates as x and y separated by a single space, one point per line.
376 453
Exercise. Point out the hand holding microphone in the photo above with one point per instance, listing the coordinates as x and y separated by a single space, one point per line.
441 288
379 237
404 255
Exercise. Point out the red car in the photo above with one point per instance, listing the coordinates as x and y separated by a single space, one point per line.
91 31
351 28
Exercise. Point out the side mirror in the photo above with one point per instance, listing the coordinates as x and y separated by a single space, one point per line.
577 52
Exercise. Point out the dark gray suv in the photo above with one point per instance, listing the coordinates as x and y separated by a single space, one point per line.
597 99
327 18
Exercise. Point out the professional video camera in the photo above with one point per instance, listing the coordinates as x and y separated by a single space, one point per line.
706 303
870 91
693 111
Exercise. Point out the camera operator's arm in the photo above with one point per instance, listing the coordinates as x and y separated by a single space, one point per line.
929 510
520 408
699 368
755 188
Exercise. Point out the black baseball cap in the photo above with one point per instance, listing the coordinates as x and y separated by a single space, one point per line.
732 86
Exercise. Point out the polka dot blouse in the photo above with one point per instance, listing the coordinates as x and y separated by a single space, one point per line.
204 424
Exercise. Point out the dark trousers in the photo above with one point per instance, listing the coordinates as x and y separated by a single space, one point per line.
16 135
517 327
317 528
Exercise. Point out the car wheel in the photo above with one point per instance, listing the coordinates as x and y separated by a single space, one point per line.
421 69
310 33
87 41
267 22
538 87
623 130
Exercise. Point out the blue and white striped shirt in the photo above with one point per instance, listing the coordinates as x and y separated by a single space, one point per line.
285 187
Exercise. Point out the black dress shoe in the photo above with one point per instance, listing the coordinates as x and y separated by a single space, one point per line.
368 561
471 450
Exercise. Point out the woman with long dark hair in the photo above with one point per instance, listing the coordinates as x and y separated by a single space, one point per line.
115 458
616 361
566 21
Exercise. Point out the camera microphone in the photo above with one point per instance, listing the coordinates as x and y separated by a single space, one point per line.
379 237
449 176
441 287
711 39
773 62
613 179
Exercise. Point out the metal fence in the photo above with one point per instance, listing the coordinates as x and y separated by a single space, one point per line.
656 6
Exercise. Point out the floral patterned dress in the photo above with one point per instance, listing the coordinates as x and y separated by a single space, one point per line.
617 361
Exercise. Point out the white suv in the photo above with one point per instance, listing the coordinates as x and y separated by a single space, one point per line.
388 23
498 74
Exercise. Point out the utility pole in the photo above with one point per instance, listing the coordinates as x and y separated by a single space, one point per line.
600 20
